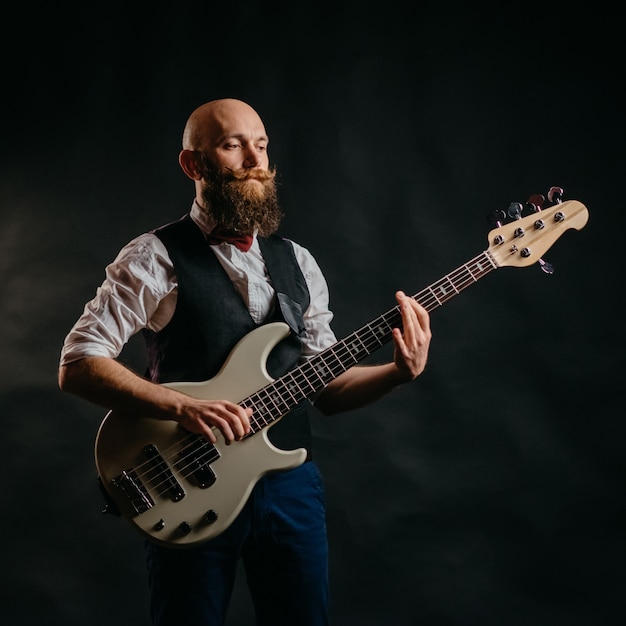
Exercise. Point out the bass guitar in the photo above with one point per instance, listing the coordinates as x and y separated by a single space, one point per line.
179 490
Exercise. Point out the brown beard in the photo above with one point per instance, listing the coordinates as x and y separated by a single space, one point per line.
237 203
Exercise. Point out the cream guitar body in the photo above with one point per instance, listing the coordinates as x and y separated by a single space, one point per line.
182 508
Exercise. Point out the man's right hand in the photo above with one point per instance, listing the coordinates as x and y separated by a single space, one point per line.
108 383
201 416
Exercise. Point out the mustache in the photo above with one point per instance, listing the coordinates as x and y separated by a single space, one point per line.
254 174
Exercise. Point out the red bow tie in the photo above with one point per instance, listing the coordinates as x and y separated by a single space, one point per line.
219 235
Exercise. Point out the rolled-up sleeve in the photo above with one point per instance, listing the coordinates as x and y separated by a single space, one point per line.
139 291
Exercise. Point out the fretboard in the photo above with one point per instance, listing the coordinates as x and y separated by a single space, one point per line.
305 381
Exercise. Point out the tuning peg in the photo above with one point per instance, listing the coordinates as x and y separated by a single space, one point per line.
535 205
548 268
555 195
496 218
515 210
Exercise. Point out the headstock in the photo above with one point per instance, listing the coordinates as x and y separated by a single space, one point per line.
524 240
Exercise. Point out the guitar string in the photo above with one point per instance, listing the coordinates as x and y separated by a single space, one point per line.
349 353
370 341
336 359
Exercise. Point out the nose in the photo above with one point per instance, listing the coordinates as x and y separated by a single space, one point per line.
252 157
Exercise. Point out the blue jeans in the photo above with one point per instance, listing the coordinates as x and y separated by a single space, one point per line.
280 535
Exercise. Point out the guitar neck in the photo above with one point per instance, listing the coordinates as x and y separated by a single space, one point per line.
279 397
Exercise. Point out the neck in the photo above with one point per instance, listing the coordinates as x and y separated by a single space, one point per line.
201 216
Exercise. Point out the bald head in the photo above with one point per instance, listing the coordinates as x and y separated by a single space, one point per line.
210 123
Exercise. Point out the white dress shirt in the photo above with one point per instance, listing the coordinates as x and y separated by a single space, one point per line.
140 291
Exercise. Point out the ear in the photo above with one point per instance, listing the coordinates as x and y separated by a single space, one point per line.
188 160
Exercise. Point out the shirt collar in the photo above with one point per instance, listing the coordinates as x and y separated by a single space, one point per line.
200 217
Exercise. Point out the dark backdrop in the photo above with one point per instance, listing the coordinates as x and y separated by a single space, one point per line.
490 491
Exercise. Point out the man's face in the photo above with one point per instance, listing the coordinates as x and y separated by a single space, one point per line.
237 140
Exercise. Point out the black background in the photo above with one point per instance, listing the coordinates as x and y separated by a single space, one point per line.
488 492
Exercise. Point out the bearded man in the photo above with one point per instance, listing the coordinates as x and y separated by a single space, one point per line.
195 288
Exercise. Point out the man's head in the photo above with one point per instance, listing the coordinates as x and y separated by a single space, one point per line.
225 153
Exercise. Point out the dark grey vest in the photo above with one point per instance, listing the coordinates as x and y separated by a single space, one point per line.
211 317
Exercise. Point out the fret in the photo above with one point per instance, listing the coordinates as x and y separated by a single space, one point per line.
352 345
278 400
453 285
333 361
460 280
313 370
425 299
290 387
321 369
269 398
262 416
266 411
372 340
380 329
392 318
443 293
469 269
311 387
484 263
439 302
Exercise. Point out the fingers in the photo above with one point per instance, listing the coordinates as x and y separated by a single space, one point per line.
412 342
408 320
415 318
230 419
